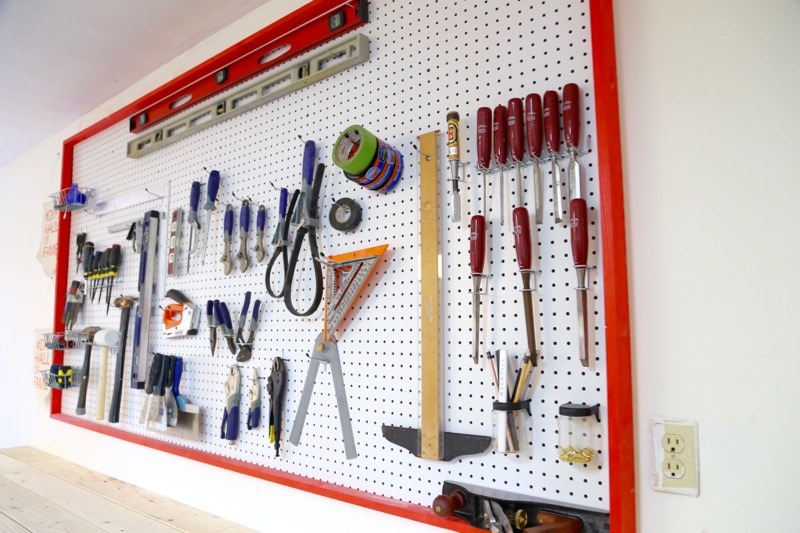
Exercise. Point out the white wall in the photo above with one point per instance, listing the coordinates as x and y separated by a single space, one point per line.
711 160
708 131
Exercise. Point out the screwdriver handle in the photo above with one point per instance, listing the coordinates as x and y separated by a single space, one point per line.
88 255
309 157
533 124
579 231
522 237
516 129
244 217
229 221
212 190
500 134
477 243
194 201
571 109
115 260
261 218
453 137
283 201
552 132
484 137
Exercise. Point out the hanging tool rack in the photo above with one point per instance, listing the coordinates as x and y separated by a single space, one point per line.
414 75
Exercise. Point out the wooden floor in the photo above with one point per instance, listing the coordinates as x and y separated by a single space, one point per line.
41 492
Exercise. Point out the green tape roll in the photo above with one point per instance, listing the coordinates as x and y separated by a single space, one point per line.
355 150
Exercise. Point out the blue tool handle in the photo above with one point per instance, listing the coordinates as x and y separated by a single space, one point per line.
218 313
254 417
229 222
230 423
246 304
256 307
309 157
261 218
284 200
210 311
226 316
194 200
176 377
244 217
212 190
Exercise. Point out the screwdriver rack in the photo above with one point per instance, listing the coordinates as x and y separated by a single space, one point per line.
414 76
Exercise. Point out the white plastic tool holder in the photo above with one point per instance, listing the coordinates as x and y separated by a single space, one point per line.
426 58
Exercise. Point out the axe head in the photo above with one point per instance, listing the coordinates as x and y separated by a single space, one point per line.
452 445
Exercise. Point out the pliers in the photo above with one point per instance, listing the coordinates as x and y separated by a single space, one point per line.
276 386
308 222
254 395
280 241
230 419
246 346
261 222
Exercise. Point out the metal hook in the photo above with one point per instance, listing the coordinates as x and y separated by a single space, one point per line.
427 156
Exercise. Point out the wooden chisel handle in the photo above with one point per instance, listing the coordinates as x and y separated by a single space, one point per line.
572 114
484 137
522 238
552 130
500 134
579 231
533 124
516 130
477 244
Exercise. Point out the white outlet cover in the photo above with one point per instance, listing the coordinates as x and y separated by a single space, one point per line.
689 483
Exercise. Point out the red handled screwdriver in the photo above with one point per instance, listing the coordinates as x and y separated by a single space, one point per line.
579 233
533 129
552 139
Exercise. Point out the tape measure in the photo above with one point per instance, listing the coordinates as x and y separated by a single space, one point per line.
367 160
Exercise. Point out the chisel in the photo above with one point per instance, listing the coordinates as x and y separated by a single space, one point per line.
500 142
484 148
477 230
579 234
533 130
572 128
454 158
516 142
552 139
522 245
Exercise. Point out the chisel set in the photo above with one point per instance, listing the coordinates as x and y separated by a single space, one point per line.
400 262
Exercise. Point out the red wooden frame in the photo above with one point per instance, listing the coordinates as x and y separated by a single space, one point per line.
615 282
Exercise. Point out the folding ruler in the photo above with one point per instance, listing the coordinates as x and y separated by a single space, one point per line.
344 279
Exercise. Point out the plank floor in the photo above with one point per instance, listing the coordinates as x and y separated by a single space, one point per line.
42 492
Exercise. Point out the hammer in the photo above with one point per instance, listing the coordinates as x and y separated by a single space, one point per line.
88 334
124 303
105 338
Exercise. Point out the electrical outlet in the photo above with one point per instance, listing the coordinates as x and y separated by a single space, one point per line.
676 456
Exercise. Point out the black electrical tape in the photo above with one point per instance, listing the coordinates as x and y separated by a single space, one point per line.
345 214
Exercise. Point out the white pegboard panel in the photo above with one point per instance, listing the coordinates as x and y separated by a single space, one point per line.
426 58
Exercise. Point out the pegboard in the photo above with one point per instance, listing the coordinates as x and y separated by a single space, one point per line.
426 58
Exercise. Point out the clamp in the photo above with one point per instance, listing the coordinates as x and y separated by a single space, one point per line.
254 396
